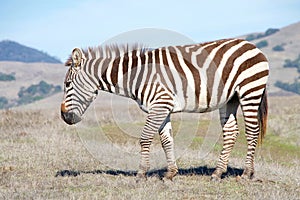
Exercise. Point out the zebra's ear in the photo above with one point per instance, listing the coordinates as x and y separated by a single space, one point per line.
77 56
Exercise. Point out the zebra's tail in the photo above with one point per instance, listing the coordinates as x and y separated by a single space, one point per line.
263 117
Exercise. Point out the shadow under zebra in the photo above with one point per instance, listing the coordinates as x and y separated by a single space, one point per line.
198 171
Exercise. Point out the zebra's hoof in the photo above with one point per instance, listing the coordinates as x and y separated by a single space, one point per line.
171 174
247 174
216 175
140 177
215 178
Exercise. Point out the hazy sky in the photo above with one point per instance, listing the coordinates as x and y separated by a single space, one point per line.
57 26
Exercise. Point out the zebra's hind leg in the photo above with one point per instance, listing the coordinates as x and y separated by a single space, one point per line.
230 133
250 106
167 143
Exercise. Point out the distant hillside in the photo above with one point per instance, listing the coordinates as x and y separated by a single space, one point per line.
13 51
282 47
22 83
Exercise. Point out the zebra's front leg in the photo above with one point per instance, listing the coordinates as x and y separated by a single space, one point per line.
156 117
145 142
167 143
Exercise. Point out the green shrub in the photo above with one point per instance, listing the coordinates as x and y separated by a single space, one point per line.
278 48
3 102
288 63
250 37
262 44
7 77
268 32
291 87
271 31
37 92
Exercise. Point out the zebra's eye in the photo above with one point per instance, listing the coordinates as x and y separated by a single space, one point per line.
68 83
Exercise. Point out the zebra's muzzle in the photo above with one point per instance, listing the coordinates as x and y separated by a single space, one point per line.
69 117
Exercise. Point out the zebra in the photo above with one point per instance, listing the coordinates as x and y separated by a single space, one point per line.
223 74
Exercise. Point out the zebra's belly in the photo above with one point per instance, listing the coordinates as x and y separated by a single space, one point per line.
182 104
202 106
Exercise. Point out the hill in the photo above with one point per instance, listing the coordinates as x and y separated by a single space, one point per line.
13 51
282 47
25 82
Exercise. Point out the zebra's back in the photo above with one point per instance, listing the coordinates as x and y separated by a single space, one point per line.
203 77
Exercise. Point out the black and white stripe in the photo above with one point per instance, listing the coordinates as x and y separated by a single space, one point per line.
220 75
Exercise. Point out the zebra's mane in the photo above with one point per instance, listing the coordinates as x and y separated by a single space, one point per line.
109 51
112 50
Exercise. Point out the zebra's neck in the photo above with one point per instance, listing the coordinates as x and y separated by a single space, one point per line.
117 69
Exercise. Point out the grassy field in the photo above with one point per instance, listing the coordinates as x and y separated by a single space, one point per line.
43 158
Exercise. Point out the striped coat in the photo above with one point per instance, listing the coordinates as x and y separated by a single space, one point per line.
200 78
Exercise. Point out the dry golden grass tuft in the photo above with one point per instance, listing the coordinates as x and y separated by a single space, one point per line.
43 158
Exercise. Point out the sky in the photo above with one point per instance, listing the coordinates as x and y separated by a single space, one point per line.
57 26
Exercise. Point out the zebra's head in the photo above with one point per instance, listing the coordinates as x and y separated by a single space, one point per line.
79 89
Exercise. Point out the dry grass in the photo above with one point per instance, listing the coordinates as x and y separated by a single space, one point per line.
42 158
